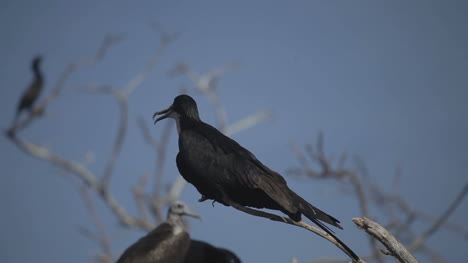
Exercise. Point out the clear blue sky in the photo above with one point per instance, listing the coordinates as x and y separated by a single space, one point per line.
385 80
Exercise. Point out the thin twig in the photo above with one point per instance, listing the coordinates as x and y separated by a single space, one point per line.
138 79
103 237
119 139
121 130
417 242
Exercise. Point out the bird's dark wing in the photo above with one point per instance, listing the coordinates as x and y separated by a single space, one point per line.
30 95
207 153
140 249
214 163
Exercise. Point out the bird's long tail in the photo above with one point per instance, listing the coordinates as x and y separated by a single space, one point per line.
326 229
313 212
318 216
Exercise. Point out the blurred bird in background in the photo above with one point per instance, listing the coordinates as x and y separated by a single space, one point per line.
167 243
31 94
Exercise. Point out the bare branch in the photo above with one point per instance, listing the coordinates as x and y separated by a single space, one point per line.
362 200
138 79
289 221
160 147
122 99
120 137
386 238
87 177
327 170
161 158
146 133
248 122
103 237
177 188
140 198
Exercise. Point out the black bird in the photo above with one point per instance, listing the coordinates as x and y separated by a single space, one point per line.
167 243
32 93
202 252
220 168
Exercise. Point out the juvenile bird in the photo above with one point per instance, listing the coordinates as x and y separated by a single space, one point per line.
167 243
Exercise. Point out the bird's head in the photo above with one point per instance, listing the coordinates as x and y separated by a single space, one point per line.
182 107
36 61
179 209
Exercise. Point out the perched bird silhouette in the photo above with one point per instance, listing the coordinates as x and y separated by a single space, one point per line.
167 243
202 252
221 169
31 94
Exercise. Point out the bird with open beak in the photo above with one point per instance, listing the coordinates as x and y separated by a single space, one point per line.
224 171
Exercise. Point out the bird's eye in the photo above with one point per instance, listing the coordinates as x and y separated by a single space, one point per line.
179 205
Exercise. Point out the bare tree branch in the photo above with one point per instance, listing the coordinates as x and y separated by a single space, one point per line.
140 198
248 122
160 147
395 248
364 211
86 176
289 221
121 131
327 170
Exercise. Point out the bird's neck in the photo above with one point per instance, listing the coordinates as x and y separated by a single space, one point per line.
185 123
37 71
177 222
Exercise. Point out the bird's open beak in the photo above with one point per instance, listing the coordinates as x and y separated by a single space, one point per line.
166 113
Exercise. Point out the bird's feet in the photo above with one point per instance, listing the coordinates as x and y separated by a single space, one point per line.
202 199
